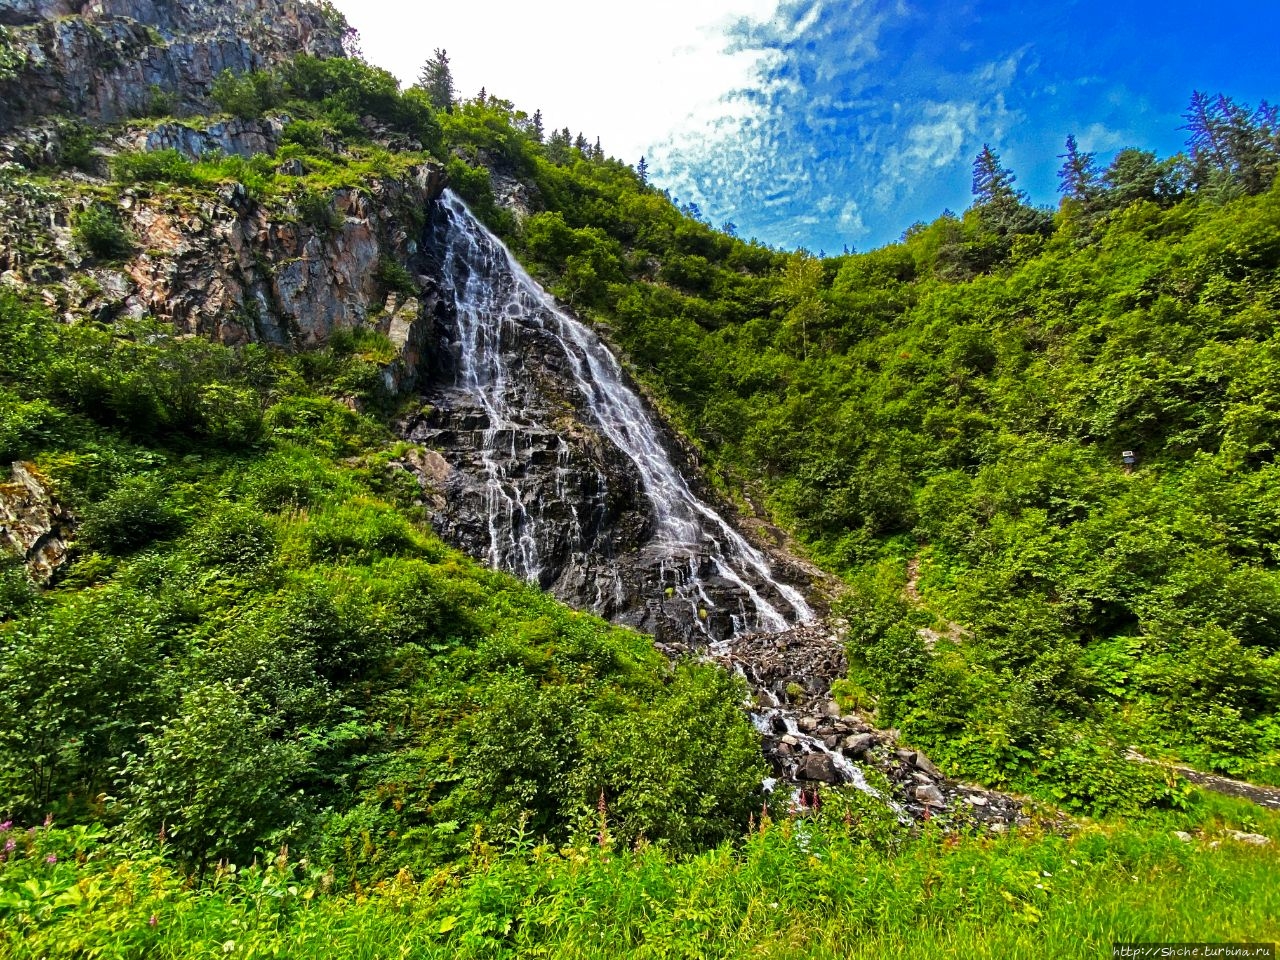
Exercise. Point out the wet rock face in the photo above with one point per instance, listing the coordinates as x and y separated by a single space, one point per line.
559 473
808 741
106 60
33 524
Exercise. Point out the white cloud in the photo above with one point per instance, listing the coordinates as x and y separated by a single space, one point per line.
632 75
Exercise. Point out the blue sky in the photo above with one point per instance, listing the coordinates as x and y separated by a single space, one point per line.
818 124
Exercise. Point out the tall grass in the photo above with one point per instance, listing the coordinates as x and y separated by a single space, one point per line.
791 889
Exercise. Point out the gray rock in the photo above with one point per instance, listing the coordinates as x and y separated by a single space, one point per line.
906 756
859 743
930 795
1183 836
818 766
1255 839
928 766
808 724
106 61
33 524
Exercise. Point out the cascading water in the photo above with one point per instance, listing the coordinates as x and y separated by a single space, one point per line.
536 400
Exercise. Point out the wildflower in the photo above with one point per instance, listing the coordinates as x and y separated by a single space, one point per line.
5 826
153 921
51 858
48 820
9 845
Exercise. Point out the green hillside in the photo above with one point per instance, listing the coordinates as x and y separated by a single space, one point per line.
264 711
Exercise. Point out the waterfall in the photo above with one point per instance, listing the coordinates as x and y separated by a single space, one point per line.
506 322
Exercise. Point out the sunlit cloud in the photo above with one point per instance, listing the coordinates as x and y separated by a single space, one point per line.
820 123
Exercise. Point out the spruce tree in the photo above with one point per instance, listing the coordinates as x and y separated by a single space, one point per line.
1078 176
992 181
642 171
537 126
436 80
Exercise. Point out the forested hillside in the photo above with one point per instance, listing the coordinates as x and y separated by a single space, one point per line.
945 422
250 702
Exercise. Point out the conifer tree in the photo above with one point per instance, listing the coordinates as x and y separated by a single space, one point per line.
537 130
1078 176
597 151
642 171
992 181
436 80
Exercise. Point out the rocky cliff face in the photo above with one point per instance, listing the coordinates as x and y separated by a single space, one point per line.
108 60
224 265
33 524
560 473
547 463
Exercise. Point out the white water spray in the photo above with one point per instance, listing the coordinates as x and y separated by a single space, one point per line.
494 297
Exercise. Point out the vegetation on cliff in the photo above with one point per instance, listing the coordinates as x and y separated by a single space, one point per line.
945 422
259 644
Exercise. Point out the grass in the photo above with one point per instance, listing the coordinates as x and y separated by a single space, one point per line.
791 889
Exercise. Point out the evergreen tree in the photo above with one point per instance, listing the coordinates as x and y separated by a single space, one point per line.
482 97
642 171
537 130
1078 176
558 146
1204 140
597 152
580 143
992 181
1232 148
436 80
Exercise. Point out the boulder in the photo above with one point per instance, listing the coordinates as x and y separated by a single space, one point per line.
928 766
1255 839
859 743
930 795
819 767
33 524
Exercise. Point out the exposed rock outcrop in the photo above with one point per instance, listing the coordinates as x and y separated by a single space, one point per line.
223 265
108 60
33 524
808 740
560 474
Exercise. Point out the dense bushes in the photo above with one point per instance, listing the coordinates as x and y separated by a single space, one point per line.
962 400
257 643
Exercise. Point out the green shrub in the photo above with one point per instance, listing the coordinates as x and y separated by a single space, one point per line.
306 133
17 593
245 95
289 479
234 538
395 277
132 516
160 166
360 530
215 779
27 426
317 208
99 232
